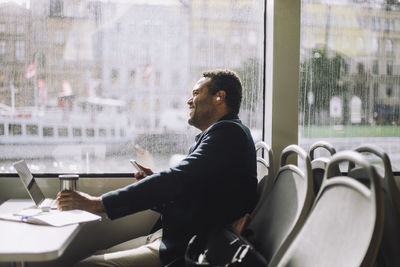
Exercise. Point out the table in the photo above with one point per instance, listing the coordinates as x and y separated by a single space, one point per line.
21 242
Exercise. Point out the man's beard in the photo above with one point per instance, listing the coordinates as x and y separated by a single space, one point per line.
192 120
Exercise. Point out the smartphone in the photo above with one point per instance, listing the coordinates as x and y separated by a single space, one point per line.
134 163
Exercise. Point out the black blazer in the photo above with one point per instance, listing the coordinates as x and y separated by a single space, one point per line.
213 186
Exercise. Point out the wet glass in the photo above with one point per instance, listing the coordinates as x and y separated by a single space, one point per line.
349 86
87 85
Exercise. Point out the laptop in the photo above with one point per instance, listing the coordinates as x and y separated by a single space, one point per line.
32 187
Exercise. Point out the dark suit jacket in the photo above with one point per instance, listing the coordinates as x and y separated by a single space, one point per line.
213 186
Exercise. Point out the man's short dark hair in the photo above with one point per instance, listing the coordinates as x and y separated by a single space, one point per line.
229 82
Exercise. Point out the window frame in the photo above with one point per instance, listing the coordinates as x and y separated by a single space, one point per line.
282 60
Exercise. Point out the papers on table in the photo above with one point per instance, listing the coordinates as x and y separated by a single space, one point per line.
51 217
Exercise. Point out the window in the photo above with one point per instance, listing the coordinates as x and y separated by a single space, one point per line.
15 129
2 49
20 29
102 132
59 37
20 50
360 68
124 71
389 46
32 129
377 24
354 107
389 90
387 25
56 8
58 59
40 35
375 67
2 79
373 26
132 76
376 92
389 67
374 45
360 43
114 75
90 132
77 132
62 131
48 131
157 78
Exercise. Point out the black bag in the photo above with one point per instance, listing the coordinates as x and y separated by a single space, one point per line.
222 247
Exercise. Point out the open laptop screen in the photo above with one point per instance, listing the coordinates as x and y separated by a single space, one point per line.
29 182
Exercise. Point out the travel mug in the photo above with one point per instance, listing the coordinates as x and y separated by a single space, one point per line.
68 181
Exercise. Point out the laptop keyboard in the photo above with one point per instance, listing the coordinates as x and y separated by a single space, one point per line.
48 202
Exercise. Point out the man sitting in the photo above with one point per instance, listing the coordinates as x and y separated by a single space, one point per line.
213 186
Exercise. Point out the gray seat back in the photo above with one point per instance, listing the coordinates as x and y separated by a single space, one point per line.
283 210
345 225
388 253
265 168
318 164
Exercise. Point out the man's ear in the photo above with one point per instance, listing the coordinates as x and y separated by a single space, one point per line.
220 96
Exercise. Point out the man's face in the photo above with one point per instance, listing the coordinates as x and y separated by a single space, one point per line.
200 104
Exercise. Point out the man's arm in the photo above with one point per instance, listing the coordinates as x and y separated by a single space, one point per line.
68 200
210 166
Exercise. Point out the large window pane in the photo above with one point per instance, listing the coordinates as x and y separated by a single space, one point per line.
349 76
87 85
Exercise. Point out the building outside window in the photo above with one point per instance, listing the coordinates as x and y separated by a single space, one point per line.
372 92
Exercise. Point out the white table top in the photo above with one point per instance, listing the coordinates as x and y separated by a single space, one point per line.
28 242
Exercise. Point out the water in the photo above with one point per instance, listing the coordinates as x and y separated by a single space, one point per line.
112 164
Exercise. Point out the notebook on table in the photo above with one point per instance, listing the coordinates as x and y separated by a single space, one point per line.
32 187
45 209
45 217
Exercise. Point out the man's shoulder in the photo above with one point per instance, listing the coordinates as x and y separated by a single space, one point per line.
232 126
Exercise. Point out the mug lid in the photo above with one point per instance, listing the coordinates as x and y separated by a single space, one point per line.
68 176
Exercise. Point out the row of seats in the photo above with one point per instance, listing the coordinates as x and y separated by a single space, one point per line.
318 216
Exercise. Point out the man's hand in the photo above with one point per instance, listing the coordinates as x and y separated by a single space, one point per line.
140 175
70 200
